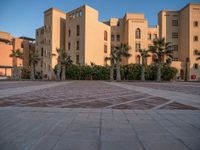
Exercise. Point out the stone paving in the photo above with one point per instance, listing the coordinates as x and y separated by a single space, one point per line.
98 129
88 94
96 115
183 87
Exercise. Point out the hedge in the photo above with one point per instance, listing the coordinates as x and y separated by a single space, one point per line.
128 72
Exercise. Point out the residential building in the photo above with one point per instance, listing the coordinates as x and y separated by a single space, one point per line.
182 29
132 29
79 32
9 43
87 40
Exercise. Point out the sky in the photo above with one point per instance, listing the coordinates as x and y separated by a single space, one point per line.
23 17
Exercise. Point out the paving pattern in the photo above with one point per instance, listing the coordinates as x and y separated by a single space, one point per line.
183 87
84 94
32 128
96 115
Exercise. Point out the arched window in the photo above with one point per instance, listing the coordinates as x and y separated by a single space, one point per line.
105 35
137 33
138 59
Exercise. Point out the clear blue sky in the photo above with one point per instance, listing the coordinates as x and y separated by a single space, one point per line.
22 17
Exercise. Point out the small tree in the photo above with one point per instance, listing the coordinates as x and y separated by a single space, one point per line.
63 61
112 60
160 49
120 52
16 54
144 55
34 59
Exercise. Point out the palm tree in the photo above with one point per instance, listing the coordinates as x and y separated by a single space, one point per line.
34 59
120 52
112 59
63 61
160 49
16 54
144 54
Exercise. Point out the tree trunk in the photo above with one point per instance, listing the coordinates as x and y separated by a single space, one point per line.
159 72
14 72
118 71
32 72
58 72
143 73
63 73
111 72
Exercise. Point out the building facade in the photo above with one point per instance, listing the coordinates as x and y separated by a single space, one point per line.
79 32
133 30
182 29
87 40
9 43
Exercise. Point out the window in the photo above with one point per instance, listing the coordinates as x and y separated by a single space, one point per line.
118 23
37 33
137 47
118 37
77 30
149 36
77 45
175 47
105 48
138 59
69 33
77 14
195 52
105 35
137 33
195 23
22 46
49 42
42 51
112 37
196 66
174 22
175 35
155 36
195 38
80 13
69 46
77 59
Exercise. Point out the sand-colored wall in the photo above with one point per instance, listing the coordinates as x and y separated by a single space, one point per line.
94 38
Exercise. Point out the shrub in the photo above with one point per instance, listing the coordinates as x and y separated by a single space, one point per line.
168 73
128 72
94 72
150 72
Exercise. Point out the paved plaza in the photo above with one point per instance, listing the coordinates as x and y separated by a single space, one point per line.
98 115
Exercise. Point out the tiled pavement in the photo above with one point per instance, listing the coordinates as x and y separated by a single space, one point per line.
98 129
92 94
66 115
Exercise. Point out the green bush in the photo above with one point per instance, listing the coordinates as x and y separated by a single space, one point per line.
168 73
150 72
128 72
95 72
131 72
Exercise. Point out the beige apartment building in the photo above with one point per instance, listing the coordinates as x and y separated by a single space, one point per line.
87 40
9 43
133 30
79 32
182 29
